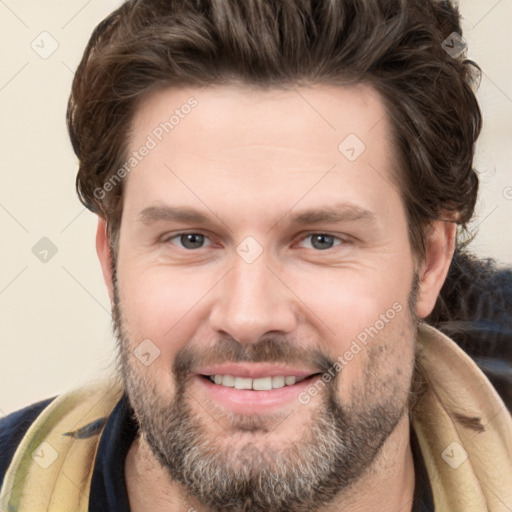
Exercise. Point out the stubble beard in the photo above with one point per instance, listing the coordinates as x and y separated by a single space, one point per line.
338 447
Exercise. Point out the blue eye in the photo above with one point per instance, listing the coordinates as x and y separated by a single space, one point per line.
322 241
189 240
194 241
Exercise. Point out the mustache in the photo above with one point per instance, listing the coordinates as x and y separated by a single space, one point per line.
267 350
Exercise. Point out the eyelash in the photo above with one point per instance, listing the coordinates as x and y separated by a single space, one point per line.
168 239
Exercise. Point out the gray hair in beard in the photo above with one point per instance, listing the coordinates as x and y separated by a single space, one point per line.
337 449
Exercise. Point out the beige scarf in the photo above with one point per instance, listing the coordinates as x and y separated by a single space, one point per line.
463 427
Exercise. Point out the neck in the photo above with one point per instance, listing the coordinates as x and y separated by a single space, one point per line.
387 486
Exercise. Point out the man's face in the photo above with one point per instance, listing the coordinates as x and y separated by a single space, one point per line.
265 286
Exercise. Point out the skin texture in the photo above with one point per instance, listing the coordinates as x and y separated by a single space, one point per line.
250 160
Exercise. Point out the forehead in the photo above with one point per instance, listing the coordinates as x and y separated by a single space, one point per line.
243 143
318 115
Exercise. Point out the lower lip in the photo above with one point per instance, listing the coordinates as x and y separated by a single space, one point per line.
247 401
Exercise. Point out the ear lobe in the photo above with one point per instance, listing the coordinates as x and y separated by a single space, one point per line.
439 249
104 255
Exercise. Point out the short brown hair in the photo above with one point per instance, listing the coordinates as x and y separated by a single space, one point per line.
396 46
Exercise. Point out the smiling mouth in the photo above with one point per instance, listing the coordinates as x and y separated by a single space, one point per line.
259 384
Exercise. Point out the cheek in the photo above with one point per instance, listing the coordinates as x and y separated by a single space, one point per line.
349 302
381 353
160 304
364 324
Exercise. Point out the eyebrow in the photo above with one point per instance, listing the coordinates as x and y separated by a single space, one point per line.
154 214
339 213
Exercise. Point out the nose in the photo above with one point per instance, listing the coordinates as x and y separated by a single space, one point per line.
252 301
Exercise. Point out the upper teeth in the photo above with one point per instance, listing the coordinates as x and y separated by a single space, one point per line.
261 384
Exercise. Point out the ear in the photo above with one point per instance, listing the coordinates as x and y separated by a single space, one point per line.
104 255
439 249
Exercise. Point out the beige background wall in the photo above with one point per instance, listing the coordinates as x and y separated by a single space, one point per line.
54 316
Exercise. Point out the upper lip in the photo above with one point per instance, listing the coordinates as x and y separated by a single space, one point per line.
256 370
